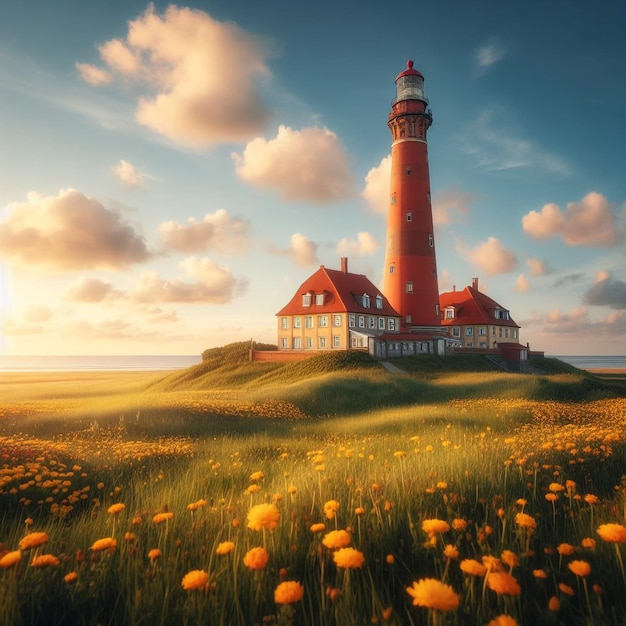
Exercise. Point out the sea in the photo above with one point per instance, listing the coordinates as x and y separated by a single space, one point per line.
139 363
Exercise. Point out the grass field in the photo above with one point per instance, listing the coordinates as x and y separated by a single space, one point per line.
325 491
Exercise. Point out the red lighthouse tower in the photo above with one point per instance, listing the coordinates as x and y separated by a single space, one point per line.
410 274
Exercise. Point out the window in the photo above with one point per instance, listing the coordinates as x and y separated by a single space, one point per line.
449 313
392 269
297 322
505 315
306 299
514 333
506 332
381 323
469 344
319 299
482 330
482 344
423 347
409 287
361 321
392 323
308 321
393 198
284 343
409 216
321 342
456 331
496 314
431 241
409 319
437 310
372 321
366 301
352 320
336 341
379 301
308 342
336 320
284 323
469 331
493 331
297 343
322 321
408 170
356 342
500 331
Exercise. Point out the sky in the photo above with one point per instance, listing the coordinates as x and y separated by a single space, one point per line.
170 174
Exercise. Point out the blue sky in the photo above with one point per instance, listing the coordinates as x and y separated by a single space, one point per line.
170 174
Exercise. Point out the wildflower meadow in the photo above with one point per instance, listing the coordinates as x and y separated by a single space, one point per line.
252 494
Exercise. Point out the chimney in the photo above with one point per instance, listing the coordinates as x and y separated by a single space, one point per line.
453 287
475 283
344 264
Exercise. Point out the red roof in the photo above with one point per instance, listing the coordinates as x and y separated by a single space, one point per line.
409 71
343 292
472 307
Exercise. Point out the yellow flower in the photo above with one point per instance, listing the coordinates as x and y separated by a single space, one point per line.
348 558
45 560
257 476
159 518
526 521
194 506
72 577
336 539
435 526
503 584
10 559
154 554
473 567
320 527
33 540
288 592
195 579
556 487
263 516
116 508
359 511
565 549
433 594
615 533
503 620
330 508
580 568
108 543
225 547
256 558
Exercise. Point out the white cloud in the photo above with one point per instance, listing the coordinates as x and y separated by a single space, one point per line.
216 231
488 55
377 186
445 203
90 290
490 257
199 75
537 267
522 284
69 231
588 222
129 175
303 251
365 245
310 164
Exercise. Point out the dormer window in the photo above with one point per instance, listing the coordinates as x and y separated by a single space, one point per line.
319 299
449 313
379 301
306 299
366 301
505 315
496 313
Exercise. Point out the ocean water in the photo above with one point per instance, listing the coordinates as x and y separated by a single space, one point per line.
595 362
106 363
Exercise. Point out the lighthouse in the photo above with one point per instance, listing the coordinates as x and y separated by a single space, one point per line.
410 272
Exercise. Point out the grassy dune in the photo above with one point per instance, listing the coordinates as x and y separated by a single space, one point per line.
453 465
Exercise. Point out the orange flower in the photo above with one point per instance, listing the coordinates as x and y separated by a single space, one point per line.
10 559
288 592
108 543
509 558
195 579
526 521
556 487
554 604
225 547
348 558
390 559
45 560
194 506
588 543
320 527
459 524
159 518
72 577
615 533
359 510
257 476
433 594
256 558
503 584
580 568
591 499
435 526
33 540
503 620
116 508
473 567
263 516
540 573
129 537
154 554
330 508
451 552
566 589
336 539
565 549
